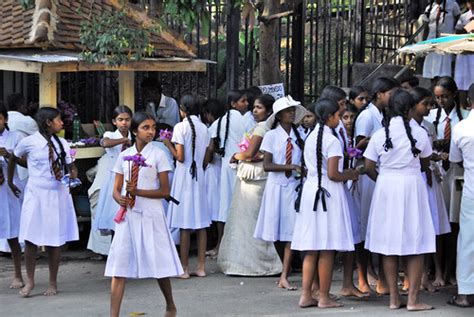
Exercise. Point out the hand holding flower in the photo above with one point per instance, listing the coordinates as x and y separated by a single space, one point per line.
123 201
165 134
131 188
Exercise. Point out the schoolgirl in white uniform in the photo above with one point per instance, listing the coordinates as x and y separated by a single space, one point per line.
113 143
366 123
465 62
424 100
190 140
142 246
10 205
400 221
213 110
323 222
47 215
230 129
338 95
282 147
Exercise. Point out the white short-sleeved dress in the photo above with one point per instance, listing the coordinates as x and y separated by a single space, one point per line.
107 207
464 74
212 175
452 195
400 220
238 125
142 246
47 214
435 191
192 212
10 205
462 150
368 122
437 64
323 230
277 213
352 200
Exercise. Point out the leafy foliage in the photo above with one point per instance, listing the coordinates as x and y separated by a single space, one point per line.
189 12
27 3
109 38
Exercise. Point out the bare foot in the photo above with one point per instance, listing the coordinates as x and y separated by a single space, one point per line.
211 253
452 281
26 290
439 282
51 290
330 303
306 302
331 296
381 288
419 307
17 283
170 312
185 275
397 305
353 292
427 285
199 273
285 284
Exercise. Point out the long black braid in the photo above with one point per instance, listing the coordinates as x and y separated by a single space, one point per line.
414 149
386 123
190 106
299 188
324 108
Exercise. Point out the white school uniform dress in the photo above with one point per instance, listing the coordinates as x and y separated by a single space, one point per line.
368 122
462 150
452 196
142 246
10 205
438 209
47 214
323 230
238 125
107 207
277 213
437 64
212 176
304 132
352 201
400 219
464 74
192 212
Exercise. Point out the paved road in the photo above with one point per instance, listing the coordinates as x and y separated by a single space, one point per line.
84 291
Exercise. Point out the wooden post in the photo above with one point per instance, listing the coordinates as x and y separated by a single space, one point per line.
359 40
232 45
48 90
127 89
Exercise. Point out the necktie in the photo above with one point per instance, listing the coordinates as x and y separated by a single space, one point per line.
134 180
288 156
124 147
55 168
447 129
447 136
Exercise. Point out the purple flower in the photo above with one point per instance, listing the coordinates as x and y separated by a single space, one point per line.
165 134
354 152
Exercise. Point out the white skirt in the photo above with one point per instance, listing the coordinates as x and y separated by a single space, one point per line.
451 192
10 211
142 247
439 214
437 65
213 177
465 254
400 219
464 74
276 218
227 185
323 230
107 207
364 188
354 211
192 212
47 215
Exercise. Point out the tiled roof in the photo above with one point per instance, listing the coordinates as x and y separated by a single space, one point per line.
55 24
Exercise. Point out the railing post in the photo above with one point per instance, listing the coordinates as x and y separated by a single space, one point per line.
232 45
297 52
360 30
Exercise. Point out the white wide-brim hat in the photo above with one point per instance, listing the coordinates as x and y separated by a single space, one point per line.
285 103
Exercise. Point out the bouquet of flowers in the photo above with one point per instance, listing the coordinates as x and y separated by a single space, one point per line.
165 134
354 153
132 160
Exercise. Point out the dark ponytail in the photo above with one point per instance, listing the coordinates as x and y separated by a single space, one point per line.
324 108
189 105
299 188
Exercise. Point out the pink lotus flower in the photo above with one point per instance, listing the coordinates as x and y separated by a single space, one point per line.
244 144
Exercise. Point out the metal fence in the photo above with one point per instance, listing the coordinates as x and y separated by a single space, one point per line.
335 34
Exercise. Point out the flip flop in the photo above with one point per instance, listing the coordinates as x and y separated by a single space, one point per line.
453 302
